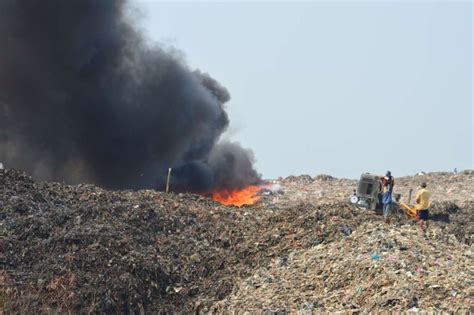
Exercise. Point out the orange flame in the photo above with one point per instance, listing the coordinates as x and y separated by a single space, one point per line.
240 197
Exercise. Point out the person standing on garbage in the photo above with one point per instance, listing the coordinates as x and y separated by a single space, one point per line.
422 206
387 183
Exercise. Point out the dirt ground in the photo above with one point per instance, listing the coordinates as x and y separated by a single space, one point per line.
303 249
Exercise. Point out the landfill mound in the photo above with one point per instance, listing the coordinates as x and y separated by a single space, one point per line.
373 269
83 249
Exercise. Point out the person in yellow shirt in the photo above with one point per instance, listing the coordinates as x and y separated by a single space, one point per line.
422 206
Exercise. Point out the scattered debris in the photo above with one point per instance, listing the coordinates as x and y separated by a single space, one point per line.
346 230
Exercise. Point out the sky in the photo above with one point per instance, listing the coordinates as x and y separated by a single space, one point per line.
337 88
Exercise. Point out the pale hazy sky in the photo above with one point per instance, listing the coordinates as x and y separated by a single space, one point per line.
334 87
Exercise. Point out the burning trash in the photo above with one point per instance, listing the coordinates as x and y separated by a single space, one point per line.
246 196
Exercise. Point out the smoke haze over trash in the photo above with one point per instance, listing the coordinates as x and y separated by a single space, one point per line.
83 98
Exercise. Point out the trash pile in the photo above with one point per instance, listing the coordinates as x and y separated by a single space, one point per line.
303 248
372 269
83 249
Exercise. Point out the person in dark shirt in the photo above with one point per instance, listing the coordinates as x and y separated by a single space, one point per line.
387 182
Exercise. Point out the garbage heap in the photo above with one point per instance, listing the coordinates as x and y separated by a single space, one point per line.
84 249
372 269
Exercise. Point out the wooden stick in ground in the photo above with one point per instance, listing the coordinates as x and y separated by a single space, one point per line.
168 180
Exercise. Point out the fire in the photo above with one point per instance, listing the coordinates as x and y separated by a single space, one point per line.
244 196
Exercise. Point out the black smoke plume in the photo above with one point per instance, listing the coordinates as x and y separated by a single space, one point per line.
83 98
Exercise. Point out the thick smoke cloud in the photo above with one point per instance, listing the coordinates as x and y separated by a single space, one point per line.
84 99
